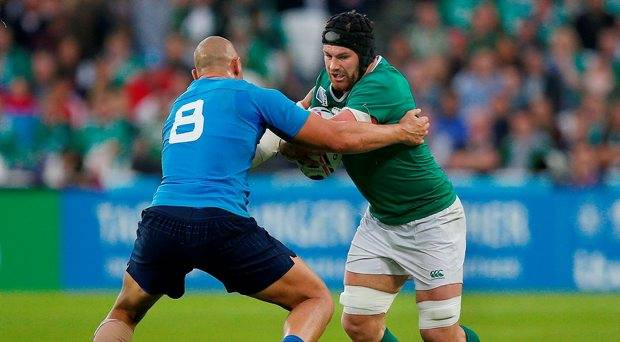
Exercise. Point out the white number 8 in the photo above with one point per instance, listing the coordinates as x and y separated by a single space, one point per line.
195 118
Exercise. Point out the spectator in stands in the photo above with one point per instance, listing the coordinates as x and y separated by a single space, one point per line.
427 35
7 147
598 78
53 142
449 131
480 154
534 75
557 61
591 21
106 140
20 107
122 62
610 150
507 51
609 52
565 64
199 20
399 53
526 146
478 83
544 118
584 166
44 72
69 54
14 59
485 28
547 17
425 77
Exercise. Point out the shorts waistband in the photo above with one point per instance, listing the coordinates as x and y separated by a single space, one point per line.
193 214
456 204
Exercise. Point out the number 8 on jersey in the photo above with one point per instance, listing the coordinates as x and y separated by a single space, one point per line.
181 121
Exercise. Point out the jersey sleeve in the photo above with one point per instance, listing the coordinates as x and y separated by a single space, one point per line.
280 113
384 97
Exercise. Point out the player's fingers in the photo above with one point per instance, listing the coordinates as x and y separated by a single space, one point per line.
411 116
415 112
422 120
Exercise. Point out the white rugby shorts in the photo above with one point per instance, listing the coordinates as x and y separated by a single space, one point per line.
430 250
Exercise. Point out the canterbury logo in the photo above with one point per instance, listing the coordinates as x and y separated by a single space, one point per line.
436 274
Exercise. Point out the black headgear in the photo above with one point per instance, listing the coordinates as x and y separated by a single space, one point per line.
354 31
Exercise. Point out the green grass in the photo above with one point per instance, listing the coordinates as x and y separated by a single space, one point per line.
216 317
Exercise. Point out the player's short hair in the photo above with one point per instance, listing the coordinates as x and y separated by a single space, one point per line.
352 30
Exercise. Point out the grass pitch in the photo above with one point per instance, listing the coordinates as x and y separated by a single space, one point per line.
217 317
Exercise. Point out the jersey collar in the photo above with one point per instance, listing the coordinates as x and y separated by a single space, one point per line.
341 98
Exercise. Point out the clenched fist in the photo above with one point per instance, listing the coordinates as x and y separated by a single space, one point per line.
415 128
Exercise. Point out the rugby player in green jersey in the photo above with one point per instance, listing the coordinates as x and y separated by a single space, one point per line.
415 224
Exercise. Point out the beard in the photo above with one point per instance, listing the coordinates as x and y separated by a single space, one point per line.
344 82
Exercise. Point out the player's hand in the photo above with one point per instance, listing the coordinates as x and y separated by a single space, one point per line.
296 153
415 127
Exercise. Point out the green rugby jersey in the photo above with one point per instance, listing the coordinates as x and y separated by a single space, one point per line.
402 183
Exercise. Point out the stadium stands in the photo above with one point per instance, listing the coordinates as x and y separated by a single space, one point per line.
511 86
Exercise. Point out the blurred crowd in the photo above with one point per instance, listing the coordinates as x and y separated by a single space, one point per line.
516 86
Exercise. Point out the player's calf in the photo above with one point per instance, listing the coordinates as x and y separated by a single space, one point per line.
130 307
306 296
113 330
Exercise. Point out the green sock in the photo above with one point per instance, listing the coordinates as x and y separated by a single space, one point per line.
470 335
388 337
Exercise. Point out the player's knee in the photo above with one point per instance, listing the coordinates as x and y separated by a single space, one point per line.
436 315
361 307
320 295
325 299
360 300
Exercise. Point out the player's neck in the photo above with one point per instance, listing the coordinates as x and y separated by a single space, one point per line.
216 73
338 93
372 65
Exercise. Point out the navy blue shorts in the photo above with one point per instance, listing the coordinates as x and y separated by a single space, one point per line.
172 241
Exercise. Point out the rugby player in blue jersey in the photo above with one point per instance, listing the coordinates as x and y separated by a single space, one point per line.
198 218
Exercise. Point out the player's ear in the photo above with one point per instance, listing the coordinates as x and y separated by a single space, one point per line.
235 67
195 73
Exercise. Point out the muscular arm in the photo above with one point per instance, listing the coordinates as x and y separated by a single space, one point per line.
347 114
357 137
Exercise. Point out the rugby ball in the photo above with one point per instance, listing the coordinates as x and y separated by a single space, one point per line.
326 163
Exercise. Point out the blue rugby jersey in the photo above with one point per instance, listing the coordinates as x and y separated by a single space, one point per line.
210 137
